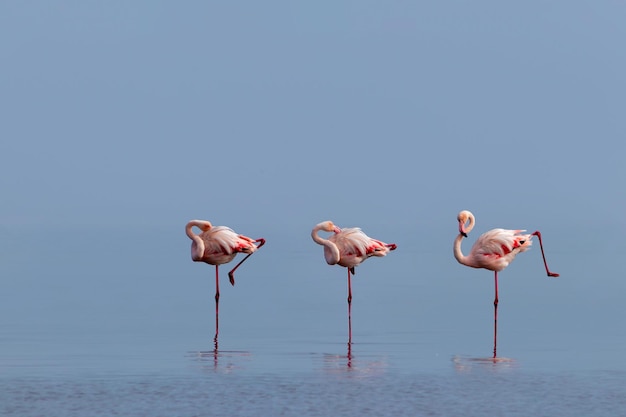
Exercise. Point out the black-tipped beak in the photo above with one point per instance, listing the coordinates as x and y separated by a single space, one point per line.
464 234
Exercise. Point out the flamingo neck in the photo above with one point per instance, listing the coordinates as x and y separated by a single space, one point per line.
197 250
318 239
189 231
462 259
332 251
470 226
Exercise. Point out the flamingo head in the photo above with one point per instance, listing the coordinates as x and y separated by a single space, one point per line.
203 225
329 226
466 222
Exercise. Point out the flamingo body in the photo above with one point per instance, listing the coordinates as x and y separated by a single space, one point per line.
217 245
494 250
355 247
348 248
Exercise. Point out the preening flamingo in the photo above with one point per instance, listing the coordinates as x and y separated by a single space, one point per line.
217 245
348 247
494 250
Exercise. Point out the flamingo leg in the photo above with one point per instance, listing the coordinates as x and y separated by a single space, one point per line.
550 274
349 308
495 317
217 300
231 274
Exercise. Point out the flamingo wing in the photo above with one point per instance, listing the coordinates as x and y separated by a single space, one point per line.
352 242
355 246
378 248
496 248
245 244
220 240
501 242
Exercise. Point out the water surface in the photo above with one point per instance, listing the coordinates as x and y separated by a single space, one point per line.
130 336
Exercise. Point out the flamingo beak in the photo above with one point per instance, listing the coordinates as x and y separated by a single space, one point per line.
462 229
337 230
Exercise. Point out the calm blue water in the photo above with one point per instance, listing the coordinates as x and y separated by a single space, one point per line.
105 330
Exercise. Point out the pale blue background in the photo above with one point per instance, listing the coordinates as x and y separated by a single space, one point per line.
121 121
268 115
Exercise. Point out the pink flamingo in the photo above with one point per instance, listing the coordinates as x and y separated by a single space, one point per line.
494 250
217 245
348 247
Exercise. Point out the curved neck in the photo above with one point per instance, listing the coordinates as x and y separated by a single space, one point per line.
331 251
199 224
472 222
318 239
462 259
190 232
197 249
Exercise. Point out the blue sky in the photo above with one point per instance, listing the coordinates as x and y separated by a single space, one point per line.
277 114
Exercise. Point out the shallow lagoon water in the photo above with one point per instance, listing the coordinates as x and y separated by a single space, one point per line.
124 120
130 337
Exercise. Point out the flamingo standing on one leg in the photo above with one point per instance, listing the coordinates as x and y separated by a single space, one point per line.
349 247
494 250
217 245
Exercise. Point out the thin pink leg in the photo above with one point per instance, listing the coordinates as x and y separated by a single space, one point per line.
217 300
231 274
495 317
550 274
349 308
